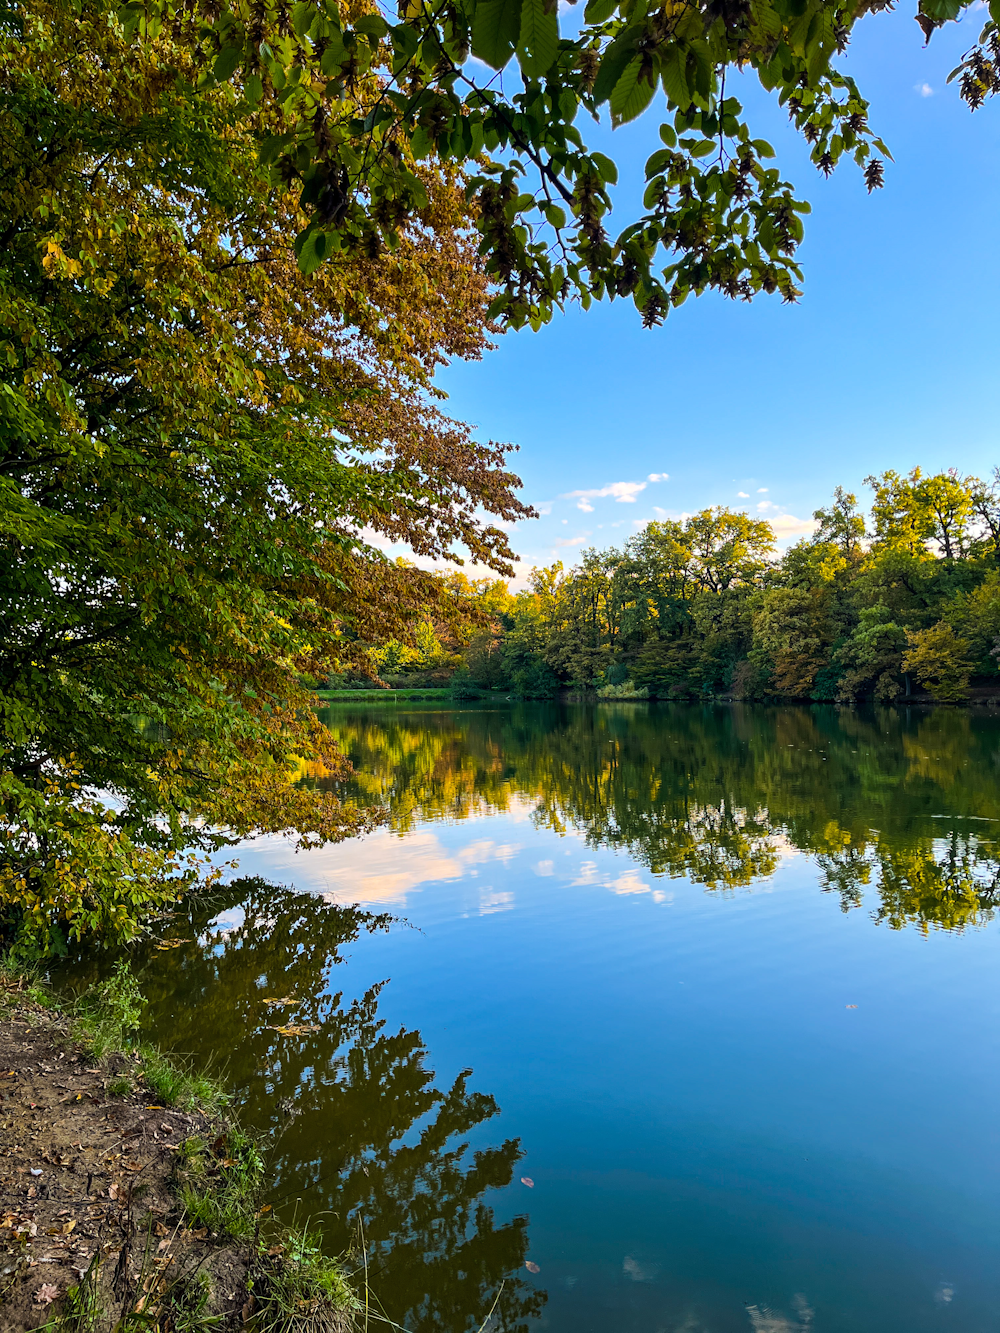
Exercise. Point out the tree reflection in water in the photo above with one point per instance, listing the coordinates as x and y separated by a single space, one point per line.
361 1132
905 802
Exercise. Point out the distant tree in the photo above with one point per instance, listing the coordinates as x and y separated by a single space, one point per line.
940 660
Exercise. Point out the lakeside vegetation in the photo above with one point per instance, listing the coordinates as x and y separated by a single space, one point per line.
905 602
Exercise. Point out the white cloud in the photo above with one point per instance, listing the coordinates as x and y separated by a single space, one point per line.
765 505
742 495
629 882
762 490
545 868
623 492
658 476
924 89
787 525
571 541
377 869
490 901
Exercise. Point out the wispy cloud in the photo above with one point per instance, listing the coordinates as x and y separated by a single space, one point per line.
571 541
787 525
924 89
623 492
742 495
762 490
658 476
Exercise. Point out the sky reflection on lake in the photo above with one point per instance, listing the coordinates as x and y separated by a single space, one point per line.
730 977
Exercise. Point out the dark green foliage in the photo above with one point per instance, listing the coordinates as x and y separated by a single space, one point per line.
702 608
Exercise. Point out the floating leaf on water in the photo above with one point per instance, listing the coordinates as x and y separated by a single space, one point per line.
531 1267
526 1180
295 1029
280 999
172 944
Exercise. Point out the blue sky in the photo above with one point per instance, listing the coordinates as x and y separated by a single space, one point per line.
887 361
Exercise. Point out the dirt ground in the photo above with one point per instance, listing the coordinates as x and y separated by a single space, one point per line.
86 1185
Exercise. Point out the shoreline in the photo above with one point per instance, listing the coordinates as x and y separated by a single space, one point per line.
118 1201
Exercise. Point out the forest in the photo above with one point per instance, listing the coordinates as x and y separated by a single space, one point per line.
902 602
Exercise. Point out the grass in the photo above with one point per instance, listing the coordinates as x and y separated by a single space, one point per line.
220 1185
302 1290
381 696
292 1286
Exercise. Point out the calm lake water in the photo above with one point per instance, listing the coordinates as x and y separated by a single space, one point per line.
720 984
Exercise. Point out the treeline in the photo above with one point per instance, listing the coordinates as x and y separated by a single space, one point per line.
905 600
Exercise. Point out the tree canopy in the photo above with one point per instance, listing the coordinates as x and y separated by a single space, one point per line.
354 96
201 450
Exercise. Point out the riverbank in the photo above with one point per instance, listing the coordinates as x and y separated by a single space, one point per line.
125 1190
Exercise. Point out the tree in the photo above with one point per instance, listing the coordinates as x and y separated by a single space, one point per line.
940 660
194 437
364 96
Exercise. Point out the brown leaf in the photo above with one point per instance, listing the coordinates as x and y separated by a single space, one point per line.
526 1180
531 1267
295 1029
46 1293
161 1230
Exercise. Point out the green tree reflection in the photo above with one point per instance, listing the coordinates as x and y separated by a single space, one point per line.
361 1130
900 804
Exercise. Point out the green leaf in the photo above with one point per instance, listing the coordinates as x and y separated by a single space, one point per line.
632 94
372 25
942 9
555 216
495 28
608 170
656 163
227 62
615 62
673 72
599 11
539 38
668 135
303 14
253 89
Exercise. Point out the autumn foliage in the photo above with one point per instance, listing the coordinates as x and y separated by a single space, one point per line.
202 452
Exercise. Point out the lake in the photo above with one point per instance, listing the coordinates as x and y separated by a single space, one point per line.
692 1009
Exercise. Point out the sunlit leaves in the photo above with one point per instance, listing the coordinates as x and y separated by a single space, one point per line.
495 30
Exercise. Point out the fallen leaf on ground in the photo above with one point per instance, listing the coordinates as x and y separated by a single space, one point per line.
532 1268
46 1294
526 1180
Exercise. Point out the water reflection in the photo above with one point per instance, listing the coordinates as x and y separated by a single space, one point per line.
902 804
362 1134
